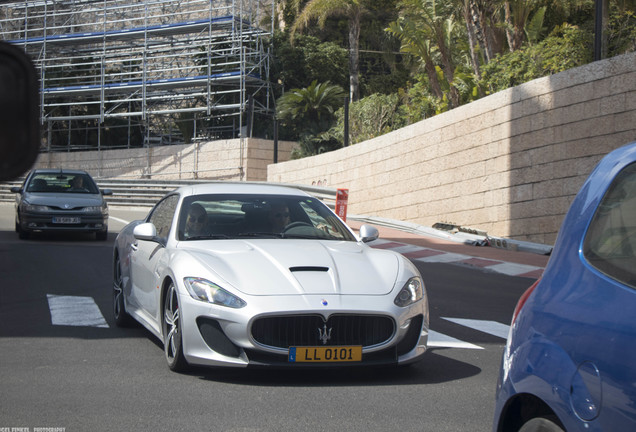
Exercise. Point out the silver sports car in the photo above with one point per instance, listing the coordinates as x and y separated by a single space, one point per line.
257 275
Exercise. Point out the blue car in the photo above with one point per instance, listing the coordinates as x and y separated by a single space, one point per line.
570 359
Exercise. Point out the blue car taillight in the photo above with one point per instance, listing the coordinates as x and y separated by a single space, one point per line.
522 301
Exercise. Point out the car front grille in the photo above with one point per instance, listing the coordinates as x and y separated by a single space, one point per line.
312 330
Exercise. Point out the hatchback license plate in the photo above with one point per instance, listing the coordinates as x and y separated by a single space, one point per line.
325 354
66 220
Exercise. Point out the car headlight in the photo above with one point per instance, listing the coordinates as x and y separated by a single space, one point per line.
26 207
204 290
92 209
410 293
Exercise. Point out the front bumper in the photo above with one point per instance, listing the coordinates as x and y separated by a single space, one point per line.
59 222
220 336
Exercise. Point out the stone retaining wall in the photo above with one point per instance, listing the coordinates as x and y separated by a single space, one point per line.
509 164
215 160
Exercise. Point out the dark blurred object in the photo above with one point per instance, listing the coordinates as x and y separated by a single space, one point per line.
19 112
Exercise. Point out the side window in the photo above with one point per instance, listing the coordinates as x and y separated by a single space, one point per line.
610 242
163 215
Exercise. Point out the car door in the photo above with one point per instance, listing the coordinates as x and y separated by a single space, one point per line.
149 257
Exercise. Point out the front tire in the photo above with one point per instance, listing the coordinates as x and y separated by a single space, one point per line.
122 319
23 235
541 424
173 340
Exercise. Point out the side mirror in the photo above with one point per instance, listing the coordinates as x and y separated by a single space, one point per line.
368 233
106 192
16 189
145 231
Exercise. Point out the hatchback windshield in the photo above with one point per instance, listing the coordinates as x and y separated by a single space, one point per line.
62 183
252 216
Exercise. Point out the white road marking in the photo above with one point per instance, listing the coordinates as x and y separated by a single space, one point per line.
125 222
75 311
513 269
439 340
491 327
444 258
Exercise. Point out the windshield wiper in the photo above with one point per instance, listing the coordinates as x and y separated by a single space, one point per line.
208 237
260 234
304 236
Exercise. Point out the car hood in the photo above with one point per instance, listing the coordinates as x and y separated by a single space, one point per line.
288 267
64 200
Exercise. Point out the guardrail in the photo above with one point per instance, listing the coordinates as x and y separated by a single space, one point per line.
146 193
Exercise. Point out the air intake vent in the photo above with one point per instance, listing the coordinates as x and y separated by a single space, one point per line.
309 269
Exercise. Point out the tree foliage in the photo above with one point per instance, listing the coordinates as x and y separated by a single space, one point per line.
452 52
308 59
369 117
308 112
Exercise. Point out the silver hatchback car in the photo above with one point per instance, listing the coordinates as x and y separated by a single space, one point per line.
62 201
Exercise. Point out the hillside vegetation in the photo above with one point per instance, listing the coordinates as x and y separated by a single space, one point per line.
400 61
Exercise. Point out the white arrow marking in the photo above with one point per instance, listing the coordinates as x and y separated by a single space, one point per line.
75 311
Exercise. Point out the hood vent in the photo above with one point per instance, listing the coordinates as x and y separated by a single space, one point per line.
309 269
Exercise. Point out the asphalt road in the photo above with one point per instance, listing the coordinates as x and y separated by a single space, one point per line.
92 376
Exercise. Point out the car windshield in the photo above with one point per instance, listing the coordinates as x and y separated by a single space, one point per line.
205 217
62 183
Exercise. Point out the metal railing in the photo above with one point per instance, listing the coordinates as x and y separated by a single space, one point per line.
146 193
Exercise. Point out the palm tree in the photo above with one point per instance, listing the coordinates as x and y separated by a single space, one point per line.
353 10
427 26
314 104
416 42
311 112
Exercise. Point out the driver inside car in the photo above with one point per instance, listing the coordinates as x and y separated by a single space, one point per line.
196 223
278 217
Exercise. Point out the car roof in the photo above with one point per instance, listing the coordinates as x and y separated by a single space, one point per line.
239 188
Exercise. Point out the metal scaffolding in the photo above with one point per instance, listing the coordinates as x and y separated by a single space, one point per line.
127 73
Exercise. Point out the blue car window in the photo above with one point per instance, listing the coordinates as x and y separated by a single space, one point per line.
610 242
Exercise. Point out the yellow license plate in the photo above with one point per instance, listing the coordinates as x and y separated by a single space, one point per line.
325 354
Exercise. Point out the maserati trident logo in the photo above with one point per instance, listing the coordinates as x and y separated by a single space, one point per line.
324 334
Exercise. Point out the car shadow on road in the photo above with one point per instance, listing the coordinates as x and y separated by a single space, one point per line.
434 368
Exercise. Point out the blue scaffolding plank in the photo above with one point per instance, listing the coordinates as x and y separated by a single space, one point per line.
132 33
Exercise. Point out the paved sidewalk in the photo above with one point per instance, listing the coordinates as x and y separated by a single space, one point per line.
430 249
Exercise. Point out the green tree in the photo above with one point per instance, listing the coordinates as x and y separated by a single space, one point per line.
308 112
566 47
427 29
295 66
369 117
320 10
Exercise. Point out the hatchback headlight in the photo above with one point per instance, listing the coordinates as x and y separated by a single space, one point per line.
411 292
26 207
92 209
204 290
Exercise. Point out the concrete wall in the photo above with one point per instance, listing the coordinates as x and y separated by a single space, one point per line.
509 163
215 160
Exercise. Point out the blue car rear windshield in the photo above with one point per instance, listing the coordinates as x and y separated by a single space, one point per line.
610 243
